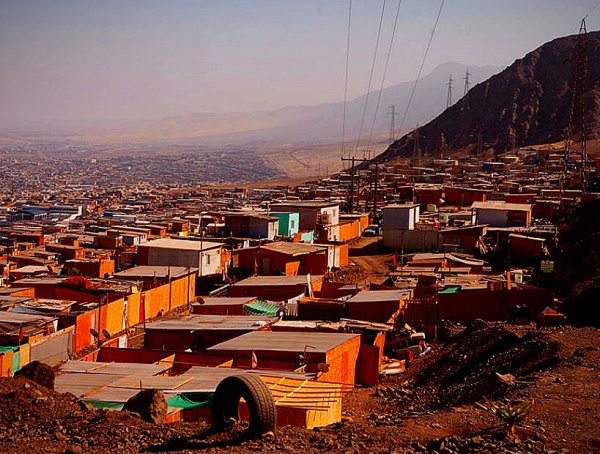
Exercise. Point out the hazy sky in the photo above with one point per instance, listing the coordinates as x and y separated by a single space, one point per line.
85 59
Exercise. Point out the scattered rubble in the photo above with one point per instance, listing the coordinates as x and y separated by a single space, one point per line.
477 363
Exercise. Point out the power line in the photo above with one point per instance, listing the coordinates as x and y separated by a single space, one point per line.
347 73
364 113
387 63
592 10
412 93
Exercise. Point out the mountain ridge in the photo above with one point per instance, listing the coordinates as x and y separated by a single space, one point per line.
298 125
531 99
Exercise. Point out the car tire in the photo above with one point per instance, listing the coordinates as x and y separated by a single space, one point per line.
258 398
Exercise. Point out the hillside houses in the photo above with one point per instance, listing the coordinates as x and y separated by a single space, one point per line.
190 283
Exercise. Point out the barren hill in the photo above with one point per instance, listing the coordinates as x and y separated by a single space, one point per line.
531 98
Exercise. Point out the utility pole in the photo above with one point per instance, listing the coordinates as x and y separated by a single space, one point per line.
352 170
449 96
392 113
353 160
375 192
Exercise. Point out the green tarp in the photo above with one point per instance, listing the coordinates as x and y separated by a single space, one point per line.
191 400
187 401
262 308
452 289
16 356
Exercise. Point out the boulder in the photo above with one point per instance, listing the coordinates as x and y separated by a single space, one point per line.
150 404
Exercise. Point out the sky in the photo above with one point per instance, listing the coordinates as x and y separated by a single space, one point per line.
80 60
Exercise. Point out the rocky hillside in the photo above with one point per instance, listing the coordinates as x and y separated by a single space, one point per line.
531 98
578 269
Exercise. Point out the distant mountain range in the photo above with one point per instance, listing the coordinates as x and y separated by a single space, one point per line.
528 102
317 124
297 125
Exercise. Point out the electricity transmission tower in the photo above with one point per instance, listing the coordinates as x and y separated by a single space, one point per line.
465 102
393 114
449 96
578 128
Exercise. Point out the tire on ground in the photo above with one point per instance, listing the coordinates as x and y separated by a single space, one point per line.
259 400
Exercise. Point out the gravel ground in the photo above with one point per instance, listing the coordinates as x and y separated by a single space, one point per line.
396 416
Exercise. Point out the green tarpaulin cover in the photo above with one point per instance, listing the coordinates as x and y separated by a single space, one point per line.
262 308
187 400
453 289
191 400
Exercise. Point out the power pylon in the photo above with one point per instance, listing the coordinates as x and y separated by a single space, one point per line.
449 96
467 82
578 128
465 102
393 114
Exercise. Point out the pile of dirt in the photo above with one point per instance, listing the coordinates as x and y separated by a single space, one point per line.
34 418
39 373
484 360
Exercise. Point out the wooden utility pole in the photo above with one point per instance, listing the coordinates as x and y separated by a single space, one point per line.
375 191
353 160
374 184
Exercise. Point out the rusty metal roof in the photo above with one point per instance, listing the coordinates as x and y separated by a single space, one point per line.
284 341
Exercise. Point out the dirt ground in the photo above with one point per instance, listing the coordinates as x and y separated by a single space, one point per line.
373 260
389 418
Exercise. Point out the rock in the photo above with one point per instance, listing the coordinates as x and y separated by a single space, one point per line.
84 406
149 404
39 373
507 379
73 450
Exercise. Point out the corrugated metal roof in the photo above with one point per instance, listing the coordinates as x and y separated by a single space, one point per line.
18 318
373 296
261 281
170 243
92 367
155 271
285 247
206 379
283 341
80 384
139 381
304 204
504 206
224 301
211 322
